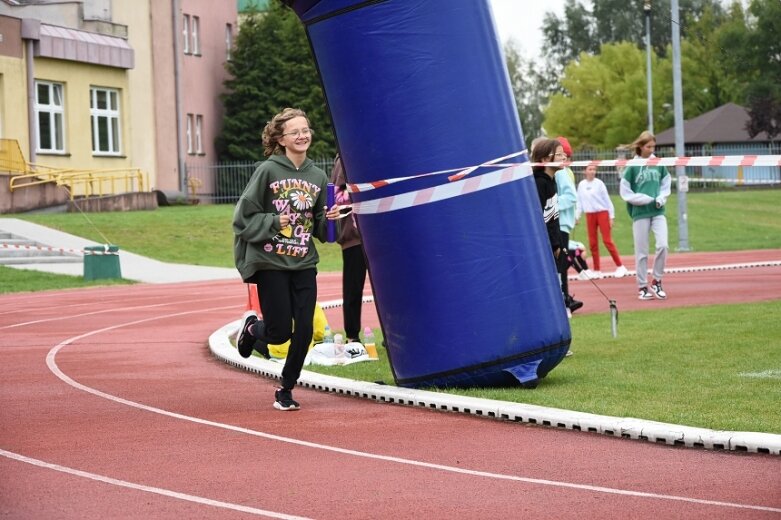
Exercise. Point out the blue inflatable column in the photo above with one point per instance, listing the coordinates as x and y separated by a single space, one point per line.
462 272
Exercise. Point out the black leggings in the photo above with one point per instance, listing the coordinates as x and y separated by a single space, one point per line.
353 279
564 265
287 297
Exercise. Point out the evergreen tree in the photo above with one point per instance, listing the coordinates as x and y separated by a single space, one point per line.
271 68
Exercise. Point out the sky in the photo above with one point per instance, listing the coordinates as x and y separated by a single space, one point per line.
522 20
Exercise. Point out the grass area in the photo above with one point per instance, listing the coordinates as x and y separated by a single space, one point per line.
698 366
196 235
202 235
680 366
717 221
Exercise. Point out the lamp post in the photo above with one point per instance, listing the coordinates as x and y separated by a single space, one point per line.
680 171
647 9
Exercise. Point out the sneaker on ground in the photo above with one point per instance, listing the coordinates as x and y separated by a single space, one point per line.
644 294
656 287
621 271
245 340
583 275
595 275
569 353
284 400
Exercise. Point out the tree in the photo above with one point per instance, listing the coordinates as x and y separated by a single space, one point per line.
755 55
603 102
271 68
529 91
611 21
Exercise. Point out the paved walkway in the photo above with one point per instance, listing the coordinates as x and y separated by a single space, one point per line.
134 267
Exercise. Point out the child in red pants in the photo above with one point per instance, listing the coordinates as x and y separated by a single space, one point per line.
594 201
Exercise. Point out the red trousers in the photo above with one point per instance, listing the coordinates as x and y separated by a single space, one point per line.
600 221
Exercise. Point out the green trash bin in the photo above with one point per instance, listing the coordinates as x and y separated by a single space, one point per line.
101 262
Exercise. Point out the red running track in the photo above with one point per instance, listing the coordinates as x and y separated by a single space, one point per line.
113 407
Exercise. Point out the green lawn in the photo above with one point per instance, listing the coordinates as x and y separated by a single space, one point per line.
710 367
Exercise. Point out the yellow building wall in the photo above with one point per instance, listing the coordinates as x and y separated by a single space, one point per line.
141 94
13 102
77 79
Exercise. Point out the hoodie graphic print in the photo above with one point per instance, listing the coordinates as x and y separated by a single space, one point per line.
296 199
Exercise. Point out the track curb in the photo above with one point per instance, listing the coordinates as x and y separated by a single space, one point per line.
625 427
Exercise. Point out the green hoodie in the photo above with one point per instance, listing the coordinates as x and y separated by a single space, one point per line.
278 188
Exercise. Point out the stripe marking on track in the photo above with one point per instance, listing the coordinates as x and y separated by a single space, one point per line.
147 489
52 365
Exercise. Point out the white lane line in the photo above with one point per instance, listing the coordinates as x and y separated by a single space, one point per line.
52 364
120 309
148 489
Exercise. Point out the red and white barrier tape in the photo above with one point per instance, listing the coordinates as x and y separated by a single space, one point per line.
459 174
444 191
705 160
105 250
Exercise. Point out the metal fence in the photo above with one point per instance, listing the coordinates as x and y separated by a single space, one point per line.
224 182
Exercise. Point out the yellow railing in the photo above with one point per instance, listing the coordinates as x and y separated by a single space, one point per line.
88 183
11 158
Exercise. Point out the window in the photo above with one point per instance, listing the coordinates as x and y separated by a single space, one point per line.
50 114
228 41
189 135
104 111
195 26
186 33
198 134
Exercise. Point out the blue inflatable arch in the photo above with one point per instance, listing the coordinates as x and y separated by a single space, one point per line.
462 274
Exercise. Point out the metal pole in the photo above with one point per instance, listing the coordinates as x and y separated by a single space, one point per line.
680 171
649 81
177 28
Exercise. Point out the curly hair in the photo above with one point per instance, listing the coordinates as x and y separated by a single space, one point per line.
274 129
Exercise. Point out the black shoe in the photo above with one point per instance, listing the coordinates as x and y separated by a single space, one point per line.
284 400
244 339
573 304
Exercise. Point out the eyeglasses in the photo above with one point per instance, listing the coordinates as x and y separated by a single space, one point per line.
562 154
298 133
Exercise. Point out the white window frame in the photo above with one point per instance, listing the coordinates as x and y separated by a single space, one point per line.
186 33
111 116
228 41
189 134
195 32
199 134
56 115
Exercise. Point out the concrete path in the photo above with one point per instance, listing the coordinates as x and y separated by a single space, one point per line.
134 267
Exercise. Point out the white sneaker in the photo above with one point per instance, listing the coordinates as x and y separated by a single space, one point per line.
583 275
595 275
620 272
